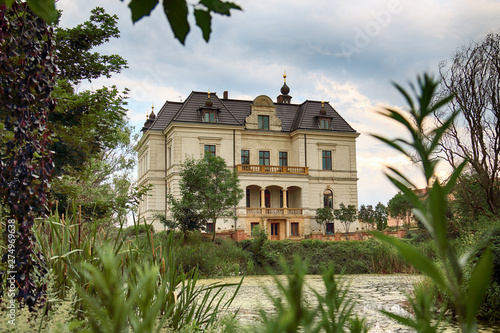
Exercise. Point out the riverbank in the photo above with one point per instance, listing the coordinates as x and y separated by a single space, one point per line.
224 257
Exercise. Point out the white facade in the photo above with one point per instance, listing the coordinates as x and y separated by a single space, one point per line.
287 159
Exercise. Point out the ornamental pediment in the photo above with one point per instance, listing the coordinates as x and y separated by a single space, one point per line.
263 106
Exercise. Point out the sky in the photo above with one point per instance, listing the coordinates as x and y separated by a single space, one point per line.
345 52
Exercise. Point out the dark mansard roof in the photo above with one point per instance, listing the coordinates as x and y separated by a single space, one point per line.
233 112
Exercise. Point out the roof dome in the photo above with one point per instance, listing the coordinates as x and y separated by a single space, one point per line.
285 89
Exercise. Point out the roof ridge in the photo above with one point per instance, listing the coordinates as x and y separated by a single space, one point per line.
232 115
184 104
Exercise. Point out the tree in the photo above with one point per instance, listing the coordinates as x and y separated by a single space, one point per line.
399 207
474 79
366 214
27 78
209 188
380 216
324 216
185 216
175 10
346 215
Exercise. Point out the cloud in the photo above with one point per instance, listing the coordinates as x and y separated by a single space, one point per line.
390 40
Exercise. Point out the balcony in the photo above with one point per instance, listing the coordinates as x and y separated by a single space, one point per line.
275 212
272 169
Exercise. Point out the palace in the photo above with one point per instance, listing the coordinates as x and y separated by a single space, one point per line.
291 158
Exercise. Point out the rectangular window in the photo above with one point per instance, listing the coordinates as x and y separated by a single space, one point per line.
209 116
294 229
210 227
263 122
327 159
245 157
329 229
324 123
283 158
248 197
210 149
264 158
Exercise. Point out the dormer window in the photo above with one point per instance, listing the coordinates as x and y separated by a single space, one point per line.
210 116
263 122
324 123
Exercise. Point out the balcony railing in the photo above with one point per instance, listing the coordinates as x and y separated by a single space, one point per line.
274 211
292 170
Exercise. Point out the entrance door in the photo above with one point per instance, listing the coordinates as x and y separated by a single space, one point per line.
275 231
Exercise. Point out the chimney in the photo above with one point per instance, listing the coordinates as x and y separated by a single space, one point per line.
226 94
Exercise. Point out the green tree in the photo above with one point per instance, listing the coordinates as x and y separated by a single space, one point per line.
346 215
175 10
366 214
209 188
380 216
186 217
399 207
324 216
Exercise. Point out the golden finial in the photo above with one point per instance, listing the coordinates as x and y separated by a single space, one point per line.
208 93
322 102
152 106
284 76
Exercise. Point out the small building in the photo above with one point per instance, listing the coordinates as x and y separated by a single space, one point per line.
291 158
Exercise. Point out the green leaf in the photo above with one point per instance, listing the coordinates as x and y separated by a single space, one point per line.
415 258
45 9
479 282
141 8
221 7
177 13
204 21
7 2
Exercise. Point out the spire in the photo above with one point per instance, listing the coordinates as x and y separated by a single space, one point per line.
208 103
149 119
322 110
284 98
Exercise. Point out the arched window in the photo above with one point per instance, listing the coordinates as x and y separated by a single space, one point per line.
328 198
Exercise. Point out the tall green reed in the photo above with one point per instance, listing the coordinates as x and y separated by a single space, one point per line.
447 272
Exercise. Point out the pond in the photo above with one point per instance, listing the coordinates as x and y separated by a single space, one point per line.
372 293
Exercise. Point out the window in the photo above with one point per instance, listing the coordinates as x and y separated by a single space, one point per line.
329 229
294 229
210 227
283 158
245 157
327 159
209 116
328 199
263 122
248 197
253 225
210 149
264 158
324 123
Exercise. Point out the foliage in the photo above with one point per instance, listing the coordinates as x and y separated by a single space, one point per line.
209 188
399 207
465 295
292 313
75 61
26 83
167 224
380 216
324 216
186 217
366 214
473 77
176 12
469 203
346 215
